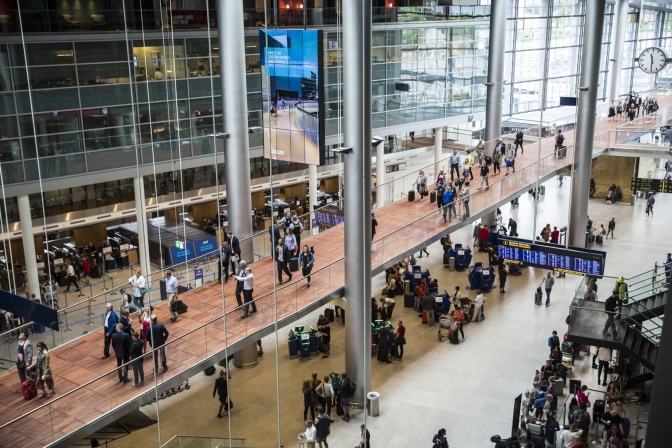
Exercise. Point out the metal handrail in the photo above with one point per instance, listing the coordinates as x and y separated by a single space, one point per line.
176 436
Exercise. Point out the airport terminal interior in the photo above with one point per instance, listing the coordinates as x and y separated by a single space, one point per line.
335 223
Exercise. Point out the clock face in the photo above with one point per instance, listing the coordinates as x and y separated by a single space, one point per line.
652 60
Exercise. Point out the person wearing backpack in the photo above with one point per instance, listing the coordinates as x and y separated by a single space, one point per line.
581 419
322 423
649 204
611 226
559 140
439 440
346 392
550 430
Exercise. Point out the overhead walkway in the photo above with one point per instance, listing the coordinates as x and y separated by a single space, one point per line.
89 394
638 324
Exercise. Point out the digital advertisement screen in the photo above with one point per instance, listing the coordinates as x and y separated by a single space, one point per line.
291 68
552 256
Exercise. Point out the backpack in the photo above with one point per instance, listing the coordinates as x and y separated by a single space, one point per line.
578 419
561 138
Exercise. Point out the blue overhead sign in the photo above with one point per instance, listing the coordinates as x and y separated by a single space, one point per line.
182 255
205 246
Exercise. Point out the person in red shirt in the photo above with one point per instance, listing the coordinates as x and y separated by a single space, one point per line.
399 341
86 268
458 318
555 235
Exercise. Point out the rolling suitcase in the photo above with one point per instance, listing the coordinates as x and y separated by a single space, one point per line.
424 316
562 152
488 160
598 411
210 370
28 389
294 265
411 196
543 189
559 386
409 300
432 197
329 314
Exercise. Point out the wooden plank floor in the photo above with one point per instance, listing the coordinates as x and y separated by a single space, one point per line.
402 225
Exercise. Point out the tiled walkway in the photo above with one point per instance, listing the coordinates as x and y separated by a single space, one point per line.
200 332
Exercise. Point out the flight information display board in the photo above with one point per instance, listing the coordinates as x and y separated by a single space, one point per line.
571 260
646 184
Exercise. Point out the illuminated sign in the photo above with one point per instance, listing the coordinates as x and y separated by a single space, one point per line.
570 260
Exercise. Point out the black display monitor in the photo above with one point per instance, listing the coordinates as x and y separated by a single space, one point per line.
571 260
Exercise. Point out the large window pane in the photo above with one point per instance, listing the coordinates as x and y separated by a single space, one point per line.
106 51
102 74
105 95
50 53
52 77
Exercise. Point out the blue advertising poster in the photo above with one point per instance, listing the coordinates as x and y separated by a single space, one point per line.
291 65
182 255
198 277
205 246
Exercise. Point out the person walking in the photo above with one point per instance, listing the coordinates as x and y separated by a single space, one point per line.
223 264
465 200
109 328
139 285
603 359
125 322
306 263
484 176
510 159
137 359
240 284
449 205
309 399
439 440
479 306
503 274
519 141
248 289
40 365
274 233
454 160
611 226
295 227
547 282
440 191
235 248
72 278
282 255
649 209
559 142
469 163
346 394
86 269
611 307
121 344
421 184
322 421
24 355
290 244
158 335
171 292
222 390
496 162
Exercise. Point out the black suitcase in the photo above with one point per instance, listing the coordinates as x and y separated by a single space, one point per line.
488 160
432 197
339 408
411 196
409 300
329 314
210 370
179 307
294 265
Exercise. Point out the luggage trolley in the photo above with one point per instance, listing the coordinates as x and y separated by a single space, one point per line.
467 307
445 323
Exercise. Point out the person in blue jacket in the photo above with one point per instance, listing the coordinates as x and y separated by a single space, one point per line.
306 262
449 206
110 327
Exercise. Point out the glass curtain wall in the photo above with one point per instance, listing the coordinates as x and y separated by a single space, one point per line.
527 59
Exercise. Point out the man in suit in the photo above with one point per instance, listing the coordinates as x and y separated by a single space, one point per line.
235 247
121 343
638 103
158 335
274 232
282 255
109 328
500 146
239 284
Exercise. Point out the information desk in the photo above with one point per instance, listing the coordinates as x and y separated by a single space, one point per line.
571 260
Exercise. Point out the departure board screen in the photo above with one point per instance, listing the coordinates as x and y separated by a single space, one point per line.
571 260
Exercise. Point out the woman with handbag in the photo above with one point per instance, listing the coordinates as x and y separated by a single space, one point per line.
290 243
421 185
306 262
25 355
42 370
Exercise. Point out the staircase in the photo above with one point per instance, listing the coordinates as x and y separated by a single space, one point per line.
640 324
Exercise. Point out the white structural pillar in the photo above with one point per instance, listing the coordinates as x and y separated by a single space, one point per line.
617 41
357 136
141 216
585 121
438 151
381 193
236 144
26 218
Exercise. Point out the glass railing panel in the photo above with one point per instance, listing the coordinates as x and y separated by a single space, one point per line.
590 321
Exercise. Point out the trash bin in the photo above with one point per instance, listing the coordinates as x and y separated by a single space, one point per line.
372 402
632 199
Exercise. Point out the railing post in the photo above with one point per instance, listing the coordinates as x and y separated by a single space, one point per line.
66 330
104 283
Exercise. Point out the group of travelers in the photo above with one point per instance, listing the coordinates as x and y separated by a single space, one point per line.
630 107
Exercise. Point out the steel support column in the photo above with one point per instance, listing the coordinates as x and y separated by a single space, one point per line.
585 121
357 135
231 39
381 193
26 218
313 186
438 151
616 51
141 216
495 84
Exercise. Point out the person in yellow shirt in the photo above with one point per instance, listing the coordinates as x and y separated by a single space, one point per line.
470 158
